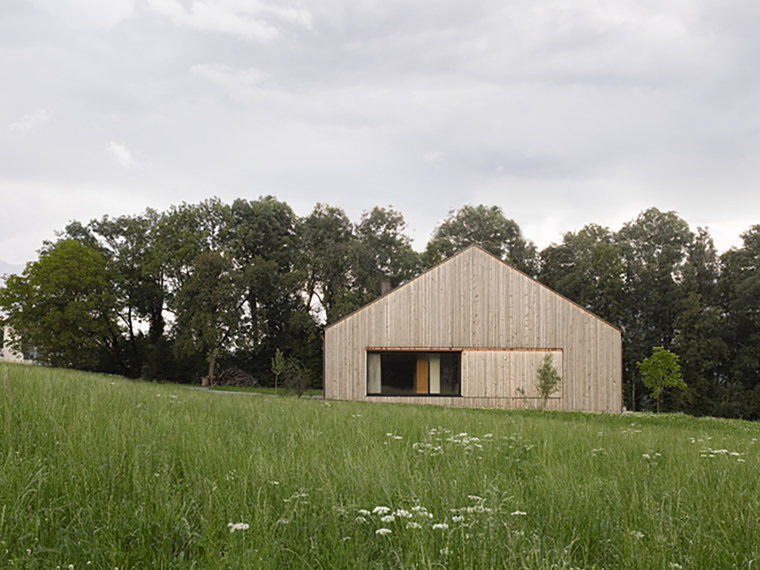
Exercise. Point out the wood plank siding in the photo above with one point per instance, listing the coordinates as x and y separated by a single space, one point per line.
503 323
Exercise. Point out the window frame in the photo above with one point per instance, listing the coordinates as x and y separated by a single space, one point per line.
426 351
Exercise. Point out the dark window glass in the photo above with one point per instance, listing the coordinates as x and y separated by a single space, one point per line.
408 373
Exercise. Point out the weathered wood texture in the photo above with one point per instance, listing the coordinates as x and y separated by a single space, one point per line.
503 321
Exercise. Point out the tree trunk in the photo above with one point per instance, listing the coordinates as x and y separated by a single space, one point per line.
633 394
207 380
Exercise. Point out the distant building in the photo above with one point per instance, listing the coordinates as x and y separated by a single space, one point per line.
8 353
472 332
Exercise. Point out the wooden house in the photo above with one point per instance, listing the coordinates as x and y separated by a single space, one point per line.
473 331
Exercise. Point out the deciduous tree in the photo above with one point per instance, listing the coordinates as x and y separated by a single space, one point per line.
486 227
739 287
587 268
64 306
548 380
386 253
331 251
660 371
210 316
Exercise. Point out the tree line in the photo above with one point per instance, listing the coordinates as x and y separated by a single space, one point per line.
181 294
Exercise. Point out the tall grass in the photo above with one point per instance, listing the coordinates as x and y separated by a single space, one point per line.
100 472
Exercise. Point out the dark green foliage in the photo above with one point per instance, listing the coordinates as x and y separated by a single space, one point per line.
739 287
64 306
548 380
386 252
587 267
296 378
210 310
167 296
330 251
660 371
654 249
345 264
486 227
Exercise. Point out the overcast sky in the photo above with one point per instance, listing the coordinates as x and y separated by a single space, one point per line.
561 112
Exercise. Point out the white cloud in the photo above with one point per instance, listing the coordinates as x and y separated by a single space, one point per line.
88 13
30 122
248 20
563 113
122 154
433 157
237 81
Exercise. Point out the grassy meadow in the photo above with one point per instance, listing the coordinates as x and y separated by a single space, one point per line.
101 472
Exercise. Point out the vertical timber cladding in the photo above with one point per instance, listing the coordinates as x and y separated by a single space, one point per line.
507 375
501 320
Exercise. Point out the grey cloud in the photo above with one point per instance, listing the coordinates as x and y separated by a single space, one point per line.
248 20
30 122
87 14
561 113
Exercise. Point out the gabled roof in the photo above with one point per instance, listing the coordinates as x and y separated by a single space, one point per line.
462 252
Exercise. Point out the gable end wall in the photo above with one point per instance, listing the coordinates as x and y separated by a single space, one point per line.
475 301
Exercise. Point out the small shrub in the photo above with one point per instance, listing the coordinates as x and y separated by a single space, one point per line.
296 377
548 380
660 371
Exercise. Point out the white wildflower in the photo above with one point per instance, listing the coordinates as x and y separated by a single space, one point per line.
383 531
238 526
440 526
297 498
637 534
387 519
519 513
402 513
360 520
381 510
445 551
675 565
364 512
457 518
413 525
646 456
422 512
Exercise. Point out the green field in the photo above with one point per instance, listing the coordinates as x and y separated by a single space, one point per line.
266 391
102 472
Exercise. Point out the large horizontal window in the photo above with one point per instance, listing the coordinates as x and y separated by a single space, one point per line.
410 373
